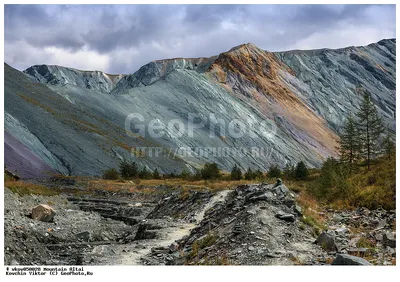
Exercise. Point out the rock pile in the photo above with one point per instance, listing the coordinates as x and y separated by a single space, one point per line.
256 224
362 232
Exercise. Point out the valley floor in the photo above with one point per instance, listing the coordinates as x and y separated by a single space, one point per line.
120 223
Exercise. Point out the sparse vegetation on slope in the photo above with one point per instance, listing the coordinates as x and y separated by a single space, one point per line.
334 186
25 188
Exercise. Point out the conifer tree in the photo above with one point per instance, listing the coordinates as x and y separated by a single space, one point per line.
249 175
210 171
274 171
370 128
236 173
388 145
144 173
349 144
288 171
156 174
301 171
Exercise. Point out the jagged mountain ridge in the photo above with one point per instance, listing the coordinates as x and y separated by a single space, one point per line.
306 94
97 80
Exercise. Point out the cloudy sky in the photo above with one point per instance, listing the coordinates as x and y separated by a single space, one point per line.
121 38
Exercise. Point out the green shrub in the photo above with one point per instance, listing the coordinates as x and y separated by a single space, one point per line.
128 170
172 175
289 172
156 174
197 175
249 175
258 174
111 174
145 173
301 171
274 171
185 174
332 181
236 173
210 171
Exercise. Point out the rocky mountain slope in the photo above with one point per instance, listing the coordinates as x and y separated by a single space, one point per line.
289 106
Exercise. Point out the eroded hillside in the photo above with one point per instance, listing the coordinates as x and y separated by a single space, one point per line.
291 104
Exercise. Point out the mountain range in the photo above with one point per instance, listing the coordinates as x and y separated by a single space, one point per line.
287 106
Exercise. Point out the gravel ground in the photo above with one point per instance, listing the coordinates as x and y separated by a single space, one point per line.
25 238
258 224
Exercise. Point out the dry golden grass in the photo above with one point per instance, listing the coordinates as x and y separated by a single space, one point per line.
312 215
329 260
25 188
375 188
151 184
296 260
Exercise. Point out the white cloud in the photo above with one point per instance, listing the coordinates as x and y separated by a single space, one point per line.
340 37
121 39
83 59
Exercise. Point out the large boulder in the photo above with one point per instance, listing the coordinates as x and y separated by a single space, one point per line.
344 259
327 241
43 213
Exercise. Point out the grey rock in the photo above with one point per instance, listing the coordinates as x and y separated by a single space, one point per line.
84 236
337 218
327 241
43 213
267 196
391 251
263 221
251 212
344 259
14 262
278 182
389 239
94 80
342 231
289 203
379 237
286 217
281 190
297 209
381 224
145 231
173 247
353 242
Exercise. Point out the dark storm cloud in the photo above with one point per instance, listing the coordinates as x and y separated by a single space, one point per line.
121 38
23 15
